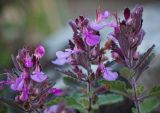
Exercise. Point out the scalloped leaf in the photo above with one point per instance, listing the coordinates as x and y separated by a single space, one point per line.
155 91
108 99
84 102
118 87
127 73
140 90
72 81
55 101
73 103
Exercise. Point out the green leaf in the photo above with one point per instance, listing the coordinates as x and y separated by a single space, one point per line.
118 86
155 91
148 105
72 103
72 81
127 73
84 102
140 90
55 101
108 99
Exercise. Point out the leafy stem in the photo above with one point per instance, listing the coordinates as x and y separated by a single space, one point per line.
89 83
136 99
90 97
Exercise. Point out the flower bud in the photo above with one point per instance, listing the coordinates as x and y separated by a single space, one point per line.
135 55
39 51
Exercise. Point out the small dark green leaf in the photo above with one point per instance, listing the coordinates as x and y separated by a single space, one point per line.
73 103
55 101
108 99
127 73
84 102
72 81
118 86
155 91
140 90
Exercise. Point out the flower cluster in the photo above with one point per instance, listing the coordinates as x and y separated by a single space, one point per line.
84 50
124 41
88 63
28 80
127 36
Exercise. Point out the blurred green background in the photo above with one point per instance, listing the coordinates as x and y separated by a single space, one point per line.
30 22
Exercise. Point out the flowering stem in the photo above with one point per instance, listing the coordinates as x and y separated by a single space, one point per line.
90 98
89 83
136 100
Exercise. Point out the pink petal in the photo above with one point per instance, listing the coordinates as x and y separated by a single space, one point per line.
96 26
28 62
24 94
38 76
55 91
40 51
18 85
92 39
109 75
105 14
111 24
61 54
60 61
52 109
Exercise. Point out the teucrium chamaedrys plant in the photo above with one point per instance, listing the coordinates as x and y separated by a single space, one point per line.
124 41
27 80
89 68
84 51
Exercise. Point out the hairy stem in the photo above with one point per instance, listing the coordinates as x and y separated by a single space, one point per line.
90 98
89 82
136 100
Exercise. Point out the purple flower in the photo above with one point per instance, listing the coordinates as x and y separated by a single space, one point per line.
92 39
129 35
52 109
24 58
100 22
24 94
59 108
19 82
38 76
102 16
27 59
39 51
55 91
63 57
18 85
100 25
28 62
109 75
